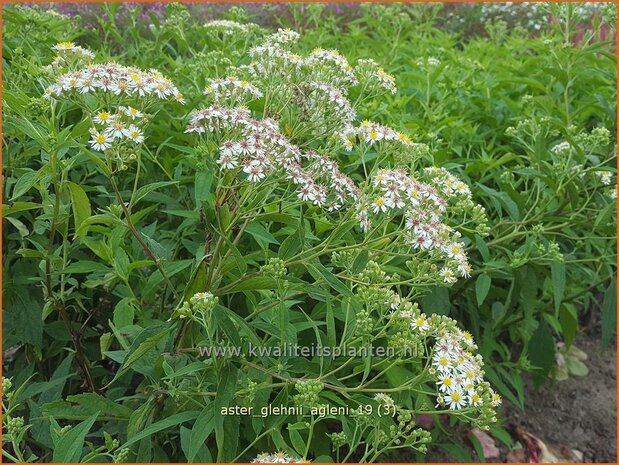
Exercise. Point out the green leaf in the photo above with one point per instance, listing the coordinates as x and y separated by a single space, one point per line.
145 190
124 313
24 183
320 273
8 210
250 284
360 262
35 132
68 447
166 423
609 313
85 266
297 441
292 245
482 286
82 406
202 428
262 236
226 390
482 247
171 268
541 352
143 343
79 204
569 323
557 271
22 310
40 427
202 189
99 161
437 301
576 367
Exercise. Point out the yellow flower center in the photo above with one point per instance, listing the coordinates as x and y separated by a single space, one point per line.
404 138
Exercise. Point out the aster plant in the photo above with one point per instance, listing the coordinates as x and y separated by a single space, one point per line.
359 250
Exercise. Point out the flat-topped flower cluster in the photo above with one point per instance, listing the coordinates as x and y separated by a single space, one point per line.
113 128
116 79
82 76
306 119
257 148
458 373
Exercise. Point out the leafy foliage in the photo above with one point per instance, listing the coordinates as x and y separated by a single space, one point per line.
148 271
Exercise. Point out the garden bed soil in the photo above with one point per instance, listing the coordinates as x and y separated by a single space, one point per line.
578 414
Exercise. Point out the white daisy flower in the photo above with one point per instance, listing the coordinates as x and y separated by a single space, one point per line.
135 134
456 400
103 117
100 141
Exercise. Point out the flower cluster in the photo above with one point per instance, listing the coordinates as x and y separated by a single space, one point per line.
116 127
329 66
428 63
384 399
69 48
322 99
257 148
227 28
448 351
446 183
231 90
562 148
395 192
606 177
115 79
282 38
371 75
459 373
6 386
273 61
198 307
308 392
371 133
277 457
275 267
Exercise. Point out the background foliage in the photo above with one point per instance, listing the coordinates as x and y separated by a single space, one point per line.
492 101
